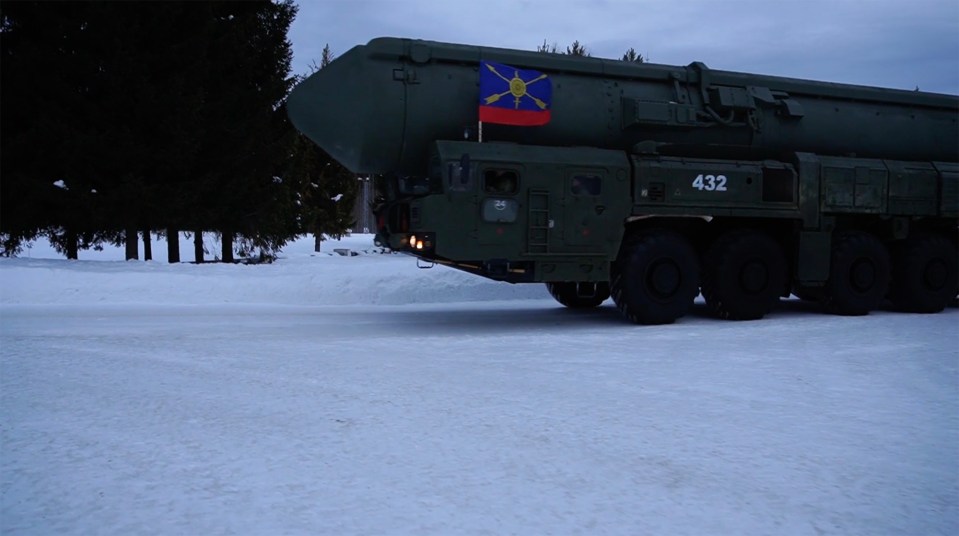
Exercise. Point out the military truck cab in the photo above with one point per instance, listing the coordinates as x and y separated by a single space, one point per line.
518 213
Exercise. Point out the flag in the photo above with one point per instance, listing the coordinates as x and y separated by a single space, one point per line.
510 96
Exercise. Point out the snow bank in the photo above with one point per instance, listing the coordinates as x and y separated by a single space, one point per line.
298 277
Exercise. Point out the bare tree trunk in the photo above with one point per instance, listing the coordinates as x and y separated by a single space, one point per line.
132 250
73 245
198 246
172 245
226 240
317 240
147 246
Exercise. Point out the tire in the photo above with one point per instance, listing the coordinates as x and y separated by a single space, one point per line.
744 274
656 278
859 274
924 274
579 295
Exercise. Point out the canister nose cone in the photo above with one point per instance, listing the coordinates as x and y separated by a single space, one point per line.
319 107
354 108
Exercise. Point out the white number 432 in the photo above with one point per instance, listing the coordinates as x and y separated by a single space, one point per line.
711 183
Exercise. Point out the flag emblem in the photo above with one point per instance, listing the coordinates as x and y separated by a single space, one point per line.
510 96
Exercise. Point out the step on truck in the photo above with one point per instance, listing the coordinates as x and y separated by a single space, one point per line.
650 184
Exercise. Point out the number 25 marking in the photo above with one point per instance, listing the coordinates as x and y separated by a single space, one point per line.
710 183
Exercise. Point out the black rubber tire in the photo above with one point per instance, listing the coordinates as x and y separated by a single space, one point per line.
579 295
924 274
655 278
859 274
744 274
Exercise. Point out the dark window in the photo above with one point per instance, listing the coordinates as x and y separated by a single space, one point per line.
586 185
500 181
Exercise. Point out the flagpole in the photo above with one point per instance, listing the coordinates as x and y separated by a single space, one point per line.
480 133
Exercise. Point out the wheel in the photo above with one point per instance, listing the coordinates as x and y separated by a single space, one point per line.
656 278
859 273
579 295
744 273
924 274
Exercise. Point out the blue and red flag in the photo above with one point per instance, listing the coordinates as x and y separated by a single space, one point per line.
510 96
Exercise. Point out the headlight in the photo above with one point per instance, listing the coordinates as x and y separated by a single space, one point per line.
421 242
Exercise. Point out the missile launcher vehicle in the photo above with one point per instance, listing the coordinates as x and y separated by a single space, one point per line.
649 183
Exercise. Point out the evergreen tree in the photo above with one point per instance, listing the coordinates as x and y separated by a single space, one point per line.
152 115
35 165
547 48
109 104
577 49
326 56
243 143
137 108
633 57
325 191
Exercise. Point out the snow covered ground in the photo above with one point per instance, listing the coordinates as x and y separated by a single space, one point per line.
326 394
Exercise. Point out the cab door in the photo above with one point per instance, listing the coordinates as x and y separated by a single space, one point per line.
593 208
502 217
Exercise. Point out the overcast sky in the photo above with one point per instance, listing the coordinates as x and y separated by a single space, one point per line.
887 43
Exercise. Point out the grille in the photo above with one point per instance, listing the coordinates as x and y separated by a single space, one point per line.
657 191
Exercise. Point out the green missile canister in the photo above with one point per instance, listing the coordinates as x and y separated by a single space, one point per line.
377 108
